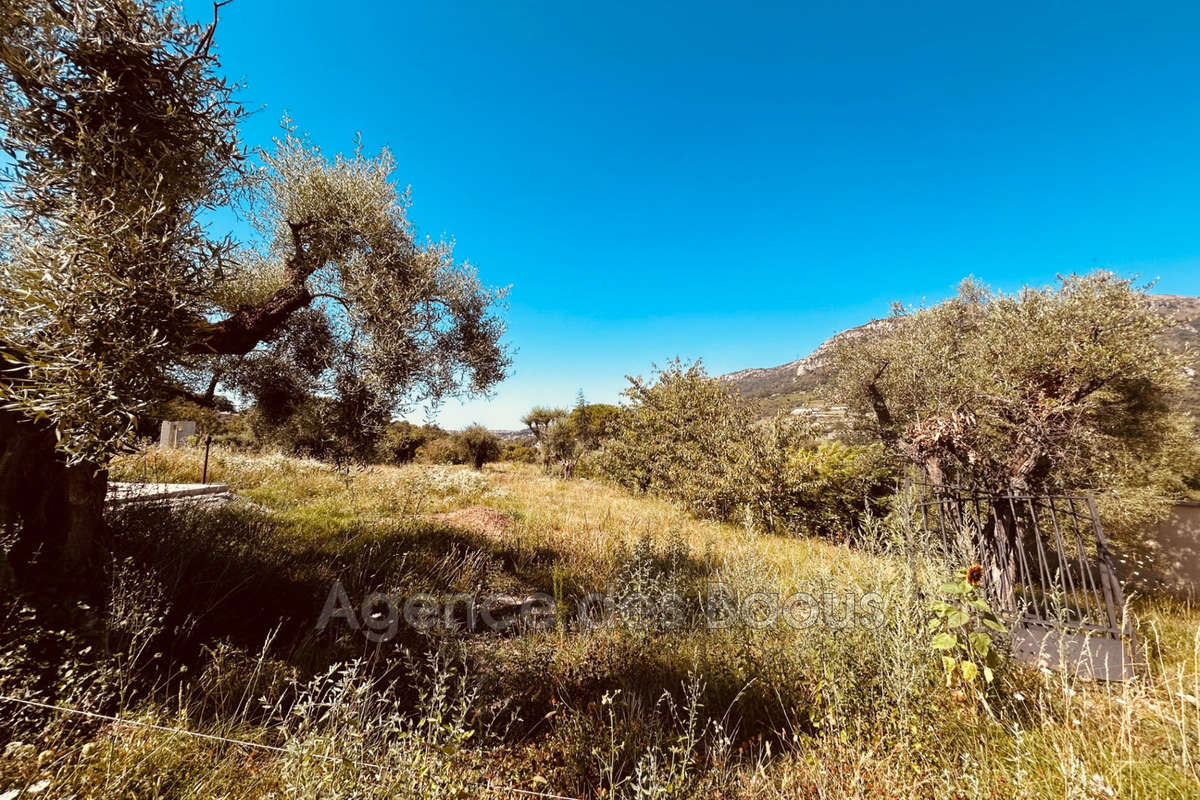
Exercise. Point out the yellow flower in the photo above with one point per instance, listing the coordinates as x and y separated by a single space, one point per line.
974 574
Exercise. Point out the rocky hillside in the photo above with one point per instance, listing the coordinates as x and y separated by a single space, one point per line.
791 385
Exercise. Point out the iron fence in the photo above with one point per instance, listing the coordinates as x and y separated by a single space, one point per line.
1045 558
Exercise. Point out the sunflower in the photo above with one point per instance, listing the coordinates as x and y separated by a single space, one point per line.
974 574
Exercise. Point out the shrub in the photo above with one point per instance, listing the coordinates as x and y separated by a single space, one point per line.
561 445
679 438
442 450
565 439
590 464
401 440
593 422
518 452
836 485
689 437
769 485
342 431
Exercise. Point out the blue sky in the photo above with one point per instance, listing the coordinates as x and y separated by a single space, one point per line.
737 182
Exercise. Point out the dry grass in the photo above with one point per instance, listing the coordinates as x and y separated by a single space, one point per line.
482 520
643 710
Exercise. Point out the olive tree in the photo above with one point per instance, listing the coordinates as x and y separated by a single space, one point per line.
562 445
539 421
116 295
1061 387
480 444
402 439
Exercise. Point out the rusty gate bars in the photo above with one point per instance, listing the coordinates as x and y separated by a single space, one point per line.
1045 557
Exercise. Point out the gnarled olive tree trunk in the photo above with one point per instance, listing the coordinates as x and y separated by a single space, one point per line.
51 513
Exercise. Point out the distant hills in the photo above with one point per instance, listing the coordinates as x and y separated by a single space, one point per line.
793 385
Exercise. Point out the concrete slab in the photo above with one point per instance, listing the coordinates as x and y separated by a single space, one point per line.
120 493
1088 656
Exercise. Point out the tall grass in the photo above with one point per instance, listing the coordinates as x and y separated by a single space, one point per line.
211 629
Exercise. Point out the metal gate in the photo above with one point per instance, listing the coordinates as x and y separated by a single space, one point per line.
1047 568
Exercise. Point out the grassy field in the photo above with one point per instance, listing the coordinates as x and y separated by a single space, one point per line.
213 628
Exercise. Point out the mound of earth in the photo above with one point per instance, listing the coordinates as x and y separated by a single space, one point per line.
483 520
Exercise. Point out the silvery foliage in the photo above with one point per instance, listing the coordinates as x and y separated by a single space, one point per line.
114 293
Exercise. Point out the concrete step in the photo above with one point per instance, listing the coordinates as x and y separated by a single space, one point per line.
1086 655
121 493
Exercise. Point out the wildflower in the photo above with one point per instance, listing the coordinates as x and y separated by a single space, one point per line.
974 574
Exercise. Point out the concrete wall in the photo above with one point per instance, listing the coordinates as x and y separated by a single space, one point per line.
1178 556
176 434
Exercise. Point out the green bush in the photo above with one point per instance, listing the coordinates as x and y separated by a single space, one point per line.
837 484
341 431
680 438
591 464
593 422
564 440
442 450
402 439
562 446
518 452
690 437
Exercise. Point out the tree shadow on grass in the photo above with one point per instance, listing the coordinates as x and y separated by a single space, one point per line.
242 575
209 581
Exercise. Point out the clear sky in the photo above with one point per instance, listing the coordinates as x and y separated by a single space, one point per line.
739 181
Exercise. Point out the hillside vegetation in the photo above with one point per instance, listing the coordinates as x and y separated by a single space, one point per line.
216 631
797 384
744 608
